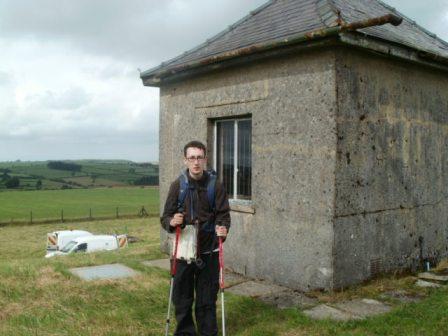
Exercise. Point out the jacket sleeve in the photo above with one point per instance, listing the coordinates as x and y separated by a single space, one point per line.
222 207
170 208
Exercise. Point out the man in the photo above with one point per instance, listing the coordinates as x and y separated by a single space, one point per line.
200 275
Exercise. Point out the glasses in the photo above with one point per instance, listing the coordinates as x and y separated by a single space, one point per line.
194 158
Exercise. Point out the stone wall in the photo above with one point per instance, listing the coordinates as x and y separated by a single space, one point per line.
392 159
289 237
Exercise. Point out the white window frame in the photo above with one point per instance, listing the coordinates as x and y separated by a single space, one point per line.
235 154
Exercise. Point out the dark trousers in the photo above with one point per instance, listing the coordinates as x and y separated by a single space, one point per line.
205 282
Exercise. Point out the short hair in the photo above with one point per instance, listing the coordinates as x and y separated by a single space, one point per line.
195 144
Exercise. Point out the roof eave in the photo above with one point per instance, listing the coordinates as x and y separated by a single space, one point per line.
395 50
174 75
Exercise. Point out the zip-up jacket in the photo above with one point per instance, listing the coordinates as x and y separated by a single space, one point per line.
197 207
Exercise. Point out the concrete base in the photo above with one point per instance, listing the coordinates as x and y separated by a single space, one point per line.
255 289
278 296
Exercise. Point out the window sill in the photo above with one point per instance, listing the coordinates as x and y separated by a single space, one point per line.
242 206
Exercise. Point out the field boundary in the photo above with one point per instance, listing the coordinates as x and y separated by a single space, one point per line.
73 220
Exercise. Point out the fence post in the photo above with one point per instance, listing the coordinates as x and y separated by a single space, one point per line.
90 213
31 217
62 215
117 212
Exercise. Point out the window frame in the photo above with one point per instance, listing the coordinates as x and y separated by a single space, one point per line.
235 155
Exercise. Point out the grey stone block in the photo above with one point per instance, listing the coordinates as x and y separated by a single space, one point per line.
362 308
427 284
322 312
112 271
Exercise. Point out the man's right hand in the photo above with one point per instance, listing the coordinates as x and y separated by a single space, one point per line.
178 219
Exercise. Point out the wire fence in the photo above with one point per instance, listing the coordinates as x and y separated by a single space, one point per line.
91 214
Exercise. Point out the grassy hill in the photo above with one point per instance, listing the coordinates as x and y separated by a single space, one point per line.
91 173
40 296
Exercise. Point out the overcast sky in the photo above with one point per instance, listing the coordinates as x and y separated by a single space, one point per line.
69 84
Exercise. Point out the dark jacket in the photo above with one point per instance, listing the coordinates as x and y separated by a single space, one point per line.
201 210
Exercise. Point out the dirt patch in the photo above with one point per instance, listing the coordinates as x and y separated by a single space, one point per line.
137 283
302 331
47 277
373 289
289 299
9 310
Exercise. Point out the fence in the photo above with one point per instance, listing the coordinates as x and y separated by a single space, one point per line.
91 214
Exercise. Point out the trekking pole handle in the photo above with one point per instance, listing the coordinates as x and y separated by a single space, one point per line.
217 229
182 211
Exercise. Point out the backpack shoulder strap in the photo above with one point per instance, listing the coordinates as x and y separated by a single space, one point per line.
183 189
211 189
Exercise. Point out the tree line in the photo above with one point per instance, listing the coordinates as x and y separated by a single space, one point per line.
61 165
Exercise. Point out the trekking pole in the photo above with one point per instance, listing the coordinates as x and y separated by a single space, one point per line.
221 285
173 273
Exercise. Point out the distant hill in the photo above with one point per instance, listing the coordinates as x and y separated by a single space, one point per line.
65 174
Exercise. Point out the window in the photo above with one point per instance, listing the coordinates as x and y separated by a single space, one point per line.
82 248
233 156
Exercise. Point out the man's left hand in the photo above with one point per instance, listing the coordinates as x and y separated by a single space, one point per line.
221 231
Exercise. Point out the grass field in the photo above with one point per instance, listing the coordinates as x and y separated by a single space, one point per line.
39 296
93 173
76 203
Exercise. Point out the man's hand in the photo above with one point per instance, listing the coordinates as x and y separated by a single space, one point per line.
178 219
221 231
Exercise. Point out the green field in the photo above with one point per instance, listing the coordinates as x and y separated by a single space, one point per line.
40 296
76 203
93 173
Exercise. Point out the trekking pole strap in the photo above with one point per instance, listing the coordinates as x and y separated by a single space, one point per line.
221 264
174 265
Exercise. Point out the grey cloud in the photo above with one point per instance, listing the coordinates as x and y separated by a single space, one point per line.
431 15
5 78
146 32
70 99
140 31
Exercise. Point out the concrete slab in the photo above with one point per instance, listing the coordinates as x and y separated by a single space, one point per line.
427 284
160 263
112 271
231 279
289 299
433 277
362 308
255 289
401 295
322 312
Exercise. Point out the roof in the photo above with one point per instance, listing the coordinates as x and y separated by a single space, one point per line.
285 20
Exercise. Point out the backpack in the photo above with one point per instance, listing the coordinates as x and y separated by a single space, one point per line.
185 188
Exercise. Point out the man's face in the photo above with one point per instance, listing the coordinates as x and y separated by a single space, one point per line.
195 161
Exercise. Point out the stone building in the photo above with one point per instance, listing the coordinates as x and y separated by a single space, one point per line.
327 121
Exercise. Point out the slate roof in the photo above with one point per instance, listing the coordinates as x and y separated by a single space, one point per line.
408 33
279 19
